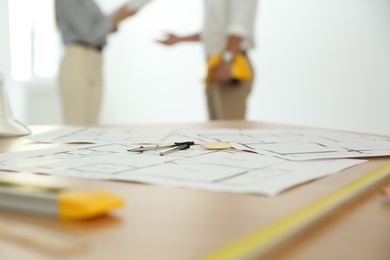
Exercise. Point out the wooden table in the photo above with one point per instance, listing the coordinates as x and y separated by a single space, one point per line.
175 223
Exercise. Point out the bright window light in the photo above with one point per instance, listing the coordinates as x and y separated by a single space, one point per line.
45 40
34 40
20 38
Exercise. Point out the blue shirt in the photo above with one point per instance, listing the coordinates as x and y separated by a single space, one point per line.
82 21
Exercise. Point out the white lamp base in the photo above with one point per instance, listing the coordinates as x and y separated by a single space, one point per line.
9 126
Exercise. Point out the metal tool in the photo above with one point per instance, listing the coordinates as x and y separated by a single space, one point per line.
168 148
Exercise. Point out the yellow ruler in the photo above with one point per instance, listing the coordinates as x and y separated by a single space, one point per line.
260 241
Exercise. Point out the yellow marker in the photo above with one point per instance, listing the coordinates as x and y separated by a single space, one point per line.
260 241
241 69
66 204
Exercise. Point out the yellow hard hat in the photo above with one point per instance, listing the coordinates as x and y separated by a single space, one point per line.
241 69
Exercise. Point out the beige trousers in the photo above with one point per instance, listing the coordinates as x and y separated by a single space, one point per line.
80 84
227 101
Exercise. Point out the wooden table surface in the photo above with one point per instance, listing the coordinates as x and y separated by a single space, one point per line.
175 223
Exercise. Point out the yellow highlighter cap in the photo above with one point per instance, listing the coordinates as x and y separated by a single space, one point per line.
80 205
241 69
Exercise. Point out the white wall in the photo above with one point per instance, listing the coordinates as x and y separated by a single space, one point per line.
148 82
31 102
4 40
322 63
15 97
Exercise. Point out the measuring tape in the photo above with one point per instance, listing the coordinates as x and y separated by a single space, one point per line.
260 241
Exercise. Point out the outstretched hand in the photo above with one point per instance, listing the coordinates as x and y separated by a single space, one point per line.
170 39
121 14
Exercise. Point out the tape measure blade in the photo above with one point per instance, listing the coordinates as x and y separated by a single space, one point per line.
265 238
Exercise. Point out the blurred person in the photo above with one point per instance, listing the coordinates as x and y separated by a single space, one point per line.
228 29
84 30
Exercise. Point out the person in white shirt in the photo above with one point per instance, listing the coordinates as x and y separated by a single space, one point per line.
228 28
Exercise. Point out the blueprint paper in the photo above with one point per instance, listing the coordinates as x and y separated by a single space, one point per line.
297 145
107 135
229 171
